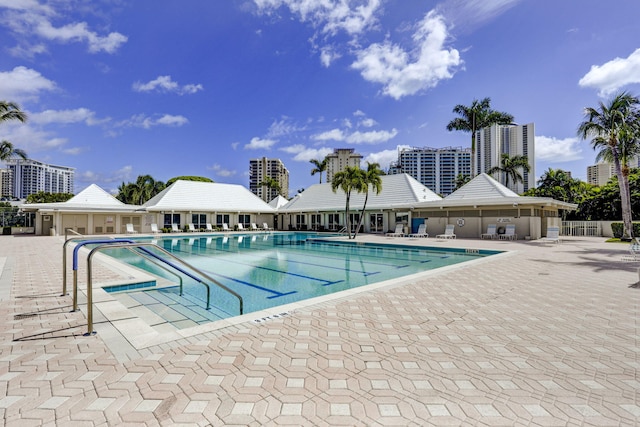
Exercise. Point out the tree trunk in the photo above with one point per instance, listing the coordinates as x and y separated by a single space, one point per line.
627 233
366 197
346 217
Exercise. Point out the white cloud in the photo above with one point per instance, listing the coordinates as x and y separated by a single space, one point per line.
166 84
23 83
304 154
367 123
145 122
331 16
328 54
259 143
612 75
467 15
385 157
283 127
405 73
554 150
30 138
32 20
220 171
331 135
78 115
357 137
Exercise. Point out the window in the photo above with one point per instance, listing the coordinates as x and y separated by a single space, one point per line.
222 219
199 220
334 221
171 219
245 220
354 219
315 221
301 222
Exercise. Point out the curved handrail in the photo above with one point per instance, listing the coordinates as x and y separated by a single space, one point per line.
167 269
140 245
64 257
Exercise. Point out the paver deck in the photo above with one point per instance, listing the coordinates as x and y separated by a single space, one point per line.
546 335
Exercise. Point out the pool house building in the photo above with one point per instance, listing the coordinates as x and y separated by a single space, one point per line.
404 200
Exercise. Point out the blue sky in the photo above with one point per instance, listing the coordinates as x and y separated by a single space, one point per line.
118 88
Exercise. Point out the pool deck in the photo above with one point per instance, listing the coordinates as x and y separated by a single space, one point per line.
544 335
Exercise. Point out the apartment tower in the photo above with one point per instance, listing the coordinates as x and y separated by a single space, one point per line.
340 159
260 170
31 176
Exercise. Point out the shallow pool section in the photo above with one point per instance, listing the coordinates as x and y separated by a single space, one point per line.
273 269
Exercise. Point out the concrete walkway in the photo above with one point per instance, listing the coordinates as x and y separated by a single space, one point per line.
545 335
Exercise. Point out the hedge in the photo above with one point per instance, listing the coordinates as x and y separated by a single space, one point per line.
617 228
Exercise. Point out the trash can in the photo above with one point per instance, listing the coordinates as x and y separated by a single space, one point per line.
52 231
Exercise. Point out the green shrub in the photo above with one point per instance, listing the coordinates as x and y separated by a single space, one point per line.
617 228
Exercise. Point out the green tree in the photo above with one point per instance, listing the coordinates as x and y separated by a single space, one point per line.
320 167
272 184
11 111
607 125
188 178
510 166
461 180
139 192
474 117
45 197
348 180
371 179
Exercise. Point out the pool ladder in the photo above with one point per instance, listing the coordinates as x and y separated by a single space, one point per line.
145 253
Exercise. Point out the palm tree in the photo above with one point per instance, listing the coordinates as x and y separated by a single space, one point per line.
509 166
475 117
11 111
320 166
461 180
350 179
608 126
372 179
139 192
271 184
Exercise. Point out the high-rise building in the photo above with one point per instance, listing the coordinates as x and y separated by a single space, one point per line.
340 159
514 140
261 169
30 176
6 183
435 168
602 172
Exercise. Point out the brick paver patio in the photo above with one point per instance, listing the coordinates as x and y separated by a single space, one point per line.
545 335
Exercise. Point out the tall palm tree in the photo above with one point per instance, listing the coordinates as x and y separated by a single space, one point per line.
348 180
139 192
461 180
606 126
372 179
11 111
271 184
475 117
510 166
320 166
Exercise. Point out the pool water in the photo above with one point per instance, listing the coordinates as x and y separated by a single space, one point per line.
273 269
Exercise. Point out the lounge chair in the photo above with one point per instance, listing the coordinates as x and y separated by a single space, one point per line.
448 233
634 251
209 227
254 227
174 228
553 235
509 233
399 231
130 229
191 228
154 229
240 227
265 227
225 227
422 231
491 232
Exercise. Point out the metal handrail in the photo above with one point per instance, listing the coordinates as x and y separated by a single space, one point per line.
165 268
141 245
64 257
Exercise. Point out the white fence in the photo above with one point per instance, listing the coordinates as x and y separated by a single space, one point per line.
582 228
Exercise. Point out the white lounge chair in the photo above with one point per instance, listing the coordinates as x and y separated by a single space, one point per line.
399 231
265 227
174 228
191 228
130 229
225 227
509 233
209 227
154 229
240 227
422 231
491 232
448 233
553 235
254 227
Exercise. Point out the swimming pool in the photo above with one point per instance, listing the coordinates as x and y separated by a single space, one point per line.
272 269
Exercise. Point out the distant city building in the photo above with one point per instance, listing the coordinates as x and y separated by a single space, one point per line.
600 173
6 183
435 168
260 169
340 159
514 140
30 176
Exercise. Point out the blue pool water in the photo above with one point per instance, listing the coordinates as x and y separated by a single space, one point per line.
273 269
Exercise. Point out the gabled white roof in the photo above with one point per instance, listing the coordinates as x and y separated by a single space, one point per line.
207 197
278 202
481 187
94 195
398 191
92 198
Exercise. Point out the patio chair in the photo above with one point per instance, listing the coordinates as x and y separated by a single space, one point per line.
399 231
634 251
254 227
154 229
448 233
240 226
225 227
266 227
491 232
422 231
509 233
209 227
174 228
553 235
130 229
191 228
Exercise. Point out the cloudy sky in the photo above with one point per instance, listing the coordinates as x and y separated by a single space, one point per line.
118 88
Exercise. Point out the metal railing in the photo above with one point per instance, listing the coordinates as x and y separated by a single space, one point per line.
581 228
